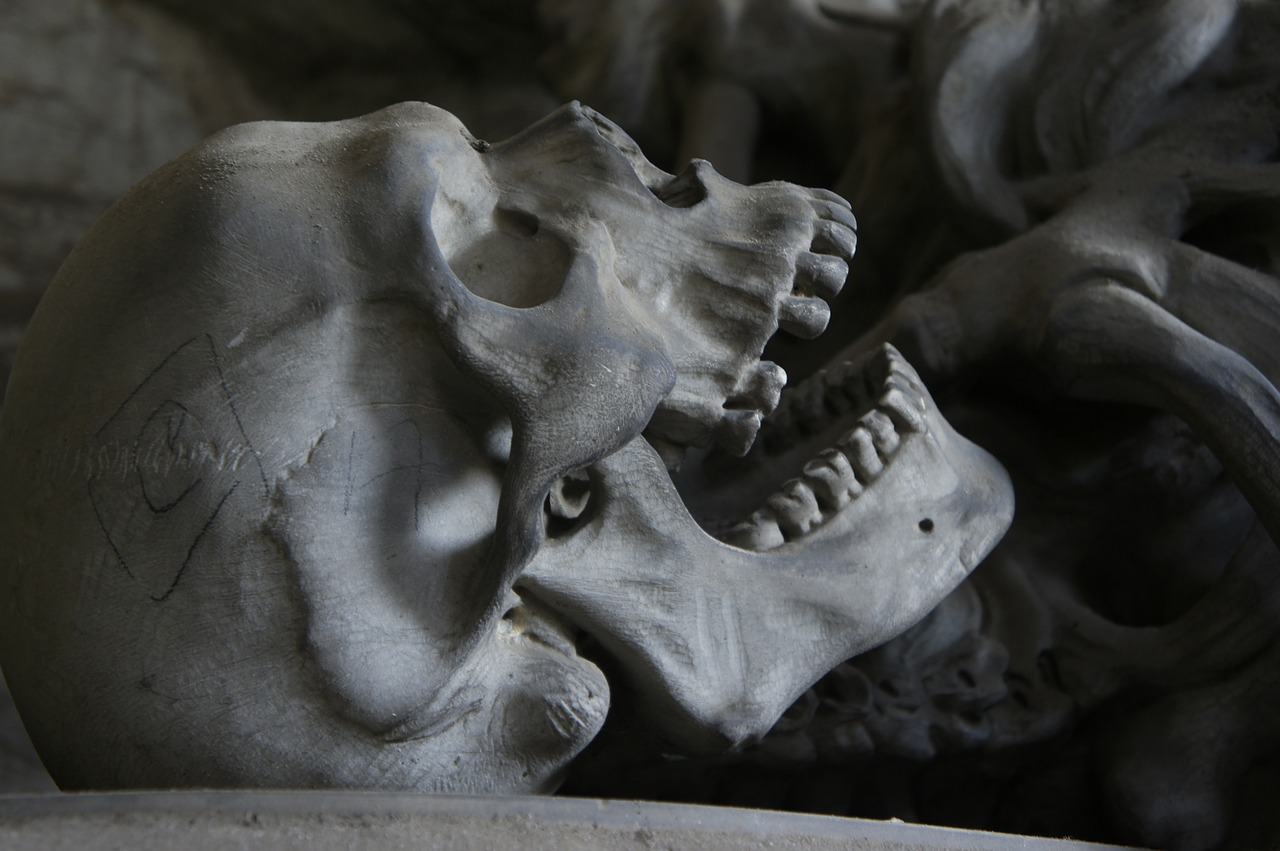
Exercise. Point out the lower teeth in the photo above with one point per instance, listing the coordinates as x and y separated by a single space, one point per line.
837 476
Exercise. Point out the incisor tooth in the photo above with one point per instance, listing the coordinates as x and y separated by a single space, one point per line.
796 508
861 452
758 533
883 434
767 381
832 479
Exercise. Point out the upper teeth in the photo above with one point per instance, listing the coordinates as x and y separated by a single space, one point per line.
838 475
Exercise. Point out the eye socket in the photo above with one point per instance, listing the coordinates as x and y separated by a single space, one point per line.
567 503
510 260
684 190
515 222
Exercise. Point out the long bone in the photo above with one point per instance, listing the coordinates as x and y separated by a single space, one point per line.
709 74
1111 287
1233 621
1158 323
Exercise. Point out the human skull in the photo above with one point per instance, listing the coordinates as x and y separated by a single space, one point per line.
359 451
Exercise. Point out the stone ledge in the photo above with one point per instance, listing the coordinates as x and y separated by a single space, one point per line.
356 820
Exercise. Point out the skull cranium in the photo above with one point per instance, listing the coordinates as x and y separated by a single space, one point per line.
361 449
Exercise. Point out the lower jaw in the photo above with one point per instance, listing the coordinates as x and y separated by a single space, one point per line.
722 635
831 440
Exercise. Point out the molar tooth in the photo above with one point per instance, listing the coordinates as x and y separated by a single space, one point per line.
903 406
757 533
882 431
684 418
861 452
832 479
802 410
847 385
910 390
766 383
811 406
838 402
900 367
759 389
834 375
737 430
796 508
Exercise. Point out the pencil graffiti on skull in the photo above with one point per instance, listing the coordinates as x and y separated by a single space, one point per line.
185 449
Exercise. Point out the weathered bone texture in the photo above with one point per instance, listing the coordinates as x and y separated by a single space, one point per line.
379 424
1075 205
93 103
1110 671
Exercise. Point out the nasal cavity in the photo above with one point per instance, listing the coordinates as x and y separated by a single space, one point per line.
686 189
511 259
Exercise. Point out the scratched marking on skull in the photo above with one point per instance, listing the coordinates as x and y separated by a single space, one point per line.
406 440
184 454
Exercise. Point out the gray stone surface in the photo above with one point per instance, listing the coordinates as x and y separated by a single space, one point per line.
1001 158
1077 220
332 820
383 419
92 97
